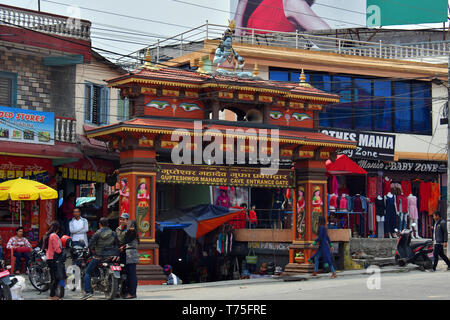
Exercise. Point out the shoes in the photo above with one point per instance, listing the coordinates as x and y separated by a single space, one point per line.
431 270
314 274
448 268
87 296
334 275
129 296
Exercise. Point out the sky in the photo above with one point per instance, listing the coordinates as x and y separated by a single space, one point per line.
168 18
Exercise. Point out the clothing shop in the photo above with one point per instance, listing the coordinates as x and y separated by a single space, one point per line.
213 256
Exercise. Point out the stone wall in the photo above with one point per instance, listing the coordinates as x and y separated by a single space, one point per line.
380 248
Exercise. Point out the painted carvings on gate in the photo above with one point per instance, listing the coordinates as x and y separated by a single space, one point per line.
124 194
301 213
317 209
143 210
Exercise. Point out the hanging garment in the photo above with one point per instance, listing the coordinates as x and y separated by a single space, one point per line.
343 204
386 186
357 205
434 197
379 185
402 203
334 185
412 208
425 190
372 188
333 202
391 215
406 187
380 207
415 187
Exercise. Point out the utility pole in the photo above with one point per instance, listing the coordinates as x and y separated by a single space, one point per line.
448 158
39 5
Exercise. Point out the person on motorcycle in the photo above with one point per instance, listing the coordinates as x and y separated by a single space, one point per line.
440 238
104 243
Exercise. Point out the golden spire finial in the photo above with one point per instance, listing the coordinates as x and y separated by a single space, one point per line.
200 66
303 82
255 70
148 62
231 25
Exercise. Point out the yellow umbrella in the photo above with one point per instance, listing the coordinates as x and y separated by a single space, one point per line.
23 189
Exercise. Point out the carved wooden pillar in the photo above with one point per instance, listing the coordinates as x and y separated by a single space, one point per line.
138 181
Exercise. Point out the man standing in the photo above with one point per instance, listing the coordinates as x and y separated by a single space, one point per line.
78 227
440 240
67 211
103 243
121 231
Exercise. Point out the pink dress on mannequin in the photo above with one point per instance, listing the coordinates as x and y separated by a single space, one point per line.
412 208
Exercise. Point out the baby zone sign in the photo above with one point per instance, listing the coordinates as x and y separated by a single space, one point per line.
28 126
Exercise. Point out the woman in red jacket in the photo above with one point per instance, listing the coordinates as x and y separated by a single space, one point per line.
277 15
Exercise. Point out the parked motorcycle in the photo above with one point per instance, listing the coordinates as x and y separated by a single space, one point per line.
107 277
7 281
38 270
420 254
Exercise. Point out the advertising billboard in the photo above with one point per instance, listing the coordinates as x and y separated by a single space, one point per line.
307 15
28 126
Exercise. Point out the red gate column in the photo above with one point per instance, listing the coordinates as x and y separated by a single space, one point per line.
311 197
137 198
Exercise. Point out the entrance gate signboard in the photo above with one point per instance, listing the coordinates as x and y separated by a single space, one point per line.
217 175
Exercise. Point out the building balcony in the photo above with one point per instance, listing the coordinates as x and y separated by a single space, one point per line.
45 22
65 129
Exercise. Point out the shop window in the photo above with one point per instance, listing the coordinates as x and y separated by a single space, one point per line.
8 89
343 113
421 107
278 75
123 108
96 104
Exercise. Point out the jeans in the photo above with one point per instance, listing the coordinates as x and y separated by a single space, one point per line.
19 256
439 252
87 276
403 218
132 280
1 253
316 262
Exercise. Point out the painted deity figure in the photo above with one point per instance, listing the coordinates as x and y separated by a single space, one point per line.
226 57
317 210
124 193
143 197
301 213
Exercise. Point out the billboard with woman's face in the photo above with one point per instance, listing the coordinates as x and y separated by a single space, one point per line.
308 15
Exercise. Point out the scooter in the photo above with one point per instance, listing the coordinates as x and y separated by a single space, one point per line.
420 254
7 281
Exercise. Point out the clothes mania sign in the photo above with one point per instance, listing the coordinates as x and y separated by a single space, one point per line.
373 146
223 176
28 126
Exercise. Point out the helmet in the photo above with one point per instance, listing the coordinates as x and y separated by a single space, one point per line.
66 241
167 269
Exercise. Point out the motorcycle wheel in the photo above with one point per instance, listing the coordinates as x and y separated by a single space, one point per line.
5 292
34 273
399 261
113 287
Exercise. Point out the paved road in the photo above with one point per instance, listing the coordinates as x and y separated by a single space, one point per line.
407 285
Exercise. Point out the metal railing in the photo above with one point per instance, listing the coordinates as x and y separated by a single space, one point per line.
65 129
45 22
192 40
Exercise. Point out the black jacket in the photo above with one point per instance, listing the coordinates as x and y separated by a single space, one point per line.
440 231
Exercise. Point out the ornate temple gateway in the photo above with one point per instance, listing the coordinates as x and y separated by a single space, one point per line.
173 107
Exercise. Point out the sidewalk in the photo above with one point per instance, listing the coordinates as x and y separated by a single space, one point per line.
302 277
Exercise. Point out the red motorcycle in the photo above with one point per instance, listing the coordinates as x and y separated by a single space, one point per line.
6 283
420 254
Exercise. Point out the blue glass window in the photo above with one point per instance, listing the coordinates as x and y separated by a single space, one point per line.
382 105
342 112
403 119
362 107
422 102
278 75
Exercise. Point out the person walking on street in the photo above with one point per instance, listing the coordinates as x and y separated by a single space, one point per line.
325 249
440 238
103 243
130 244
78 227
53 250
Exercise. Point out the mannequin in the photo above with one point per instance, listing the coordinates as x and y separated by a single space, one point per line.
380 208
277 207
333 202
343 203
402 205
413 215
391 212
